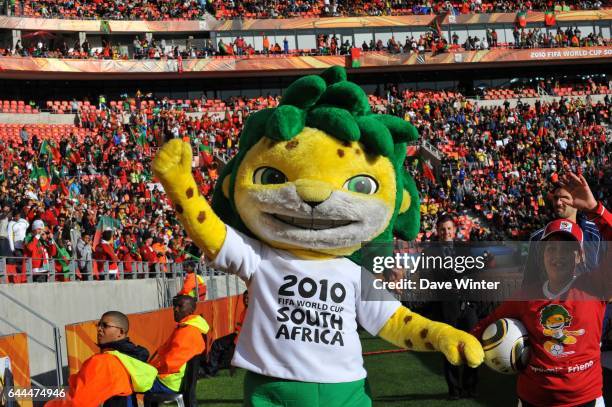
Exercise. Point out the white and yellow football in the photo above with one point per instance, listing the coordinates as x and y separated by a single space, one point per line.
506 346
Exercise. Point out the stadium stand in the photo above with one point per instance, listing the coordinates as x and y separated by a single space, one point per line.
326 45
551 86
255 9
113 10
73 175
315 8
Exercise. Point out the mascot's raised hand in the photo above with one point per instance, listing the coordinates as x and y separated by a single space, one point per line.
313 179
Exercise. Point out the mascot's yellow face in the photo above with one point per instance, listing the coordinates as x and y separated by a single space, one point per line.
556 321
315 195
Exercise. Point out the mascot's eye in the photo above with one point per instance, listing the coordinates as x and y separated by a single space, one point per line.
362 184
268 175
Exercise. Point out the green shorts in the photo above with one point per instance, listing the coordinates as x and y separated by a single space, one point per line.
264 391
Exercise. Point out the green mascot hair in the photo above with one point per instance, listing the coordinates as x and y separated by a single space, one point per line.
340 108
554 309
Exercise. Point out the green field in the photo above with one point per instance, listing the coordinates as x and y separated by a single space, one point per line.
397 379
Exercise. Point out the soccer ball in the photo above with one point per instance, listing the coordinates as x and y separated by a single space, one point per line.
556 349
505 345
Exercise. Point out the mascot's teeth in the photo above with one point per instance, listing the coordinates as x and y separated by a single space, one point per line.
310 223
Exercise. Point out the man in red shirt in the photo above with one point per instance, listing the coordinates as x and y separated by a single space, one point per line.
40 249
148 255
105 254
128 253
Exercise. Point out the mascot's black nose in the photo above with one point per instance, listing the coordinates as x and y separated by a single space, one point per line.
313 204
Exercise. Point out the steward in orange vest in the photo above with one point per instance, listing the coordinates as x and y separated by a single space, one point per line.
110 378
185 342
189 284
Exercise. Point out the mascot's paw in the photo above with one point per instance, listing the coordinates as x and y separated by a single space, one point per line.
460 347
173 160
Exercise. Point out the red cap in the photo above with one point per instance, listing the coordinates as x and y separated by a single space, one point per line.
563 226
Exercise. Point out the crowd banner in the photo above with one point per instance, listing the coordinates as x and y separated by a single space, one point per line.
210 24
56 68
14 353
151 329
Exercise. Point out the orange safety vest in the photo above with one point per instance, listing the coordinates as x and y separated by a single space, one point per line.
106 375
189 287
185 342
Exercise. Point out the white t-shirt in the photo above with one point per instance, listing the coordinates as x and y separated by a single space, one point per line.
302 318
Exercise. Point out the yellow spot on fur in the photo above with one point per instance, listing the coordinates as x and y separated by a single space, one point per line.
201 216
291 144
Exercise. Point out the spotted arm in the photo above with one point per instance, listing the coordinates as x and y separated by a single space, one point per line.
410 330
172 166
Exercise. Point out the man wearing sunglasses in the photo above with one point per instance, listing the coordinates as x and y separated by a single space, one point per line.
183 344
112 377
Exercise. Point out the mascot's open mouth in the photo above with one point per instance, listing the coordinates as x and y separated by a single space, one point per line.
343 220
311 223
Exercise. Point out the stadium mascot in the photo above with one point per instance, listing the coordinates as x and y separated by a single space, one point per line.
313 179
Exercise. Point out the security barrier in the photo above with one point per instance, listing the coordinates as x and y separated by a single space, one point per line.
15 347
151 329
21 270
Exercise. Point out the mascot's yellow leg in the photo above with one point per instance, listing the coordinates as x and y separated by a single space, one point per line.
569 340
410 330
172 166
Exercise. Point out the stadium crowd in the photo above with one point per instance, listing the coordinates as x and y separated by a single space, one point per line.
111 9
500 161
230 9
99 176
336 8
325 45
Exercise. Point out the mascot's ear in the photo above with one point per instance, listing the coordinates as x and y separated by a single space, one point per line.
408 220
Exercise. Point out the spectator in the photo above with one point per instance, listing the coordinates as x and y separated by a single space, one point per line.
84 255
41 248
564 207
85 46
128 254
5 217
561 312
25 137
105 257
17 230
147 253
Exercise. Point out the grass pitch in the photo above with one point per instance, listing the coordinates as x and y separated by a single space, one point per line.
408 379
